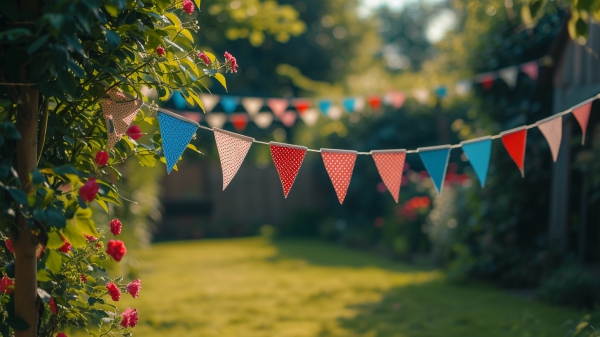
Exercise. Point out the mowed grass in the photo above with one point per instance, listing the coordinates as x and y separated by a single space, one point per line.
252 287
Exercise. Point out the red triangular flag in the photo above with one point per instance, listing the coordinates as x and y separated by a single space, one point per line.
232 151
531 69
390 164
278 106
288 159
238 121
582 114
552 130
301 105
514 142
486 80
339 165
374 102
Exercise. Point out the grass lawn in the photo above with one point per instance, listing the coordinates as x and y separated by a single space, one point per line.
251 287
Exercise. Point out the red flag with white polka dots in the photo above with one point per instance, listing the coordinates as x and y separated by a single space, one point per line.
339 165
288 159
390 164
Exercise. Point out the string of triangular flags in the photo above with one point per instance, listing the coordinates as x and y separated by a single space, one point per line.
309 110
177 131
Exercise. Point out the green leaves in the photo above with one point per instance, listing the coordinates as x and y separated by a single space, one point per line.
112 39
54 261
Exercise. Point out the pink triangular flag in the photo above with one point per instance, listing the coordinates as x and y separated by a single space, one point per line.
552 130
339 165
395 99
288 159
390 164
117 115
531 69
278 106
288 118
582 114
232 151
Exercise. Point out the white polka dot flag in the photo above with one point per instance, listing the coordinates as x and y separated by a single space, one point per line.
288 159
390 164
119 111
339 165
232 148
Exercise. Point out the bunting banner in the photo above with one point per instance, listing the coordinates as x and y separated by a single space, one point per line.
435 159
478 151
514 141
263 120
252 105
288 118
374 101
486 80
551 128
582 114
278 106
301 105
324 106
531 69
209 101
395 99
288 159
176 134
335 112
310 117
229 103
509 76
216 120
119 111
239 121
421 95
232 148
390 164
348 104
339 165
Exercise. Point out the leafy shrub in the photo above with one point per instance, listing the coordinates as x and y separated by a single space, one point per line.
572 285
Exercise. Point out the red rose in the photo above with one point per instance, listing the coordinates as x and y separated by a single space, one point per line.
5 283
115 227
130 318
231 62
83 278
160 50
9 246
134 287
66 247
92 238
188 6
102 158
134 132
52 304
61 334
88 191
116 249
114 291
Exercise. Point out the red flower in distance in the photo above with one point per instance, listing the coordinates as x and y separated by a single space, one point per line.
231 62
204 58
83 278
9 245
188 6
5 283
91 238
134 132
102 158
52 305
115 227
114 291
66 247
130 318
88 191
61 334
116 249
160 50
134 287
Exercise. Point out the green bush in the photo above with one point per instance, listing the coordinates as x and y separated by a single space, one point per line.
572 285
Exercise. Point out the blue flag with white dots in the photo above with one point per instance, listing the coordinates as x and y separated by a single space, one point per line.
176 135
435 160
478 152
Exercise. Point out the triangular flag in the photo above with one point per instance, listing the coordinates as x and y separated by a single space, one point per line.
252 105
301 105
192 115
229 103
552 130
478 152
374 101
178 101
390 164
441 91
421 95
486 80
509 76
263 119
149 92
118 116
232 151
514 141
278 106
395 99
324 105
531 69
239 121
310 117
335 112
582 114
216 119
209 101
463 87
435 159
176 132
339 165
288 159
359 104
288 118
348 104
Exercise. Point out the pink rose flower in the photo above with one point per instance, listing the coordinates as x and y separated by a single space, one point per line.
116 249
115 227
134 287
130 318
88 191
114 291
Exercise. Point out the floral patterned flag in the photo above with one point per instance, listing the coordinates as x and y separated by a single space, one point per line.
514 141
582 114
232 148
339 165
119 111
552 130
435 159
176 132
390 164
288 159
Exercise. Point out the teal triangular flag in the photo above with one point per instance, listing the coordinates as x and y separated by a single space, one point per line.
435 159
478 152
176 134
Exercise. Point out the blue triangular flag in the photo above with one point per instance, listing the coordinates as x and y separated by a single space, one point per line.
324 105
229 103
435 159
176 134
478 152
348 104
178 101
